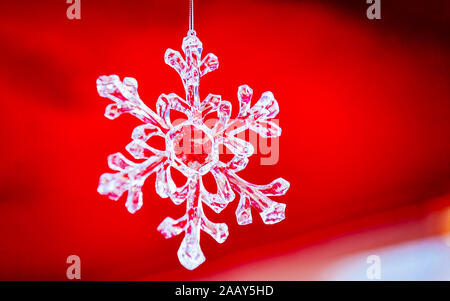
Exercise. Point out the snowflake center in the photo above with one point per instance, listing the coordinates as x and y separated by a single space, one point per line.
192 149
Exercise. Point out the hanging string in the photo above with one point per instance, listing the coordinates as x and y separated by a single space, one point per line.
191 31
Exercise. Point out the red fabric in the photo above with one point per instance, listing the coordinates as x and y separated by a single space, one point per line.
364 106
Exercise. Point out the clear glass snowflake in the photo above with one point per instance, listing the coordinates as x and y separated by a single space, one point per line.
193 149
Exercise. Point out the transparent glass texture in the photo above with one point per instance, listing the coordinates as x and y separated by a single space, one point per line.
193 149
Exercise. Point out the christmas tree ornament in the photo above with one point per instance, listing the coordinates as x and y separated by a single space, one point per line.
192 148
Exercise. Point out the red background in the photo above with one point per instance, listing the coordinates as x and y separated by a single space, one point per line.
364 106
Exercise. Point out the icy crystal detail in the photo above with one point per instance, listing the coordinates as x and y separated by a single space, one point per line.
193 149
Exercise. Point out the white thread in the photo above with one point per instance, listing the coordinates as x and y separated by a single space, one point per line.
191 31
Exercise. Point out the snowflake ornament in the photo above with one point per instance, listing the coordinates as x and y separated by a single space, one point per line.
192 148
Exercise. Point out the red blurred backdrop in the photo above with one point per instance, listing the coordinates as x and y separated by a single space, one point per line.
365 108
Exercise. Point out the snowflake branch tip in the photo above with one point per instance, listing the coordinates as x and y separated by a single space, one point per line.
190 253
145 132
141 150
174 59
256 196
170 227
217 231
112 185
134 200
130 177
126 99
209 64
